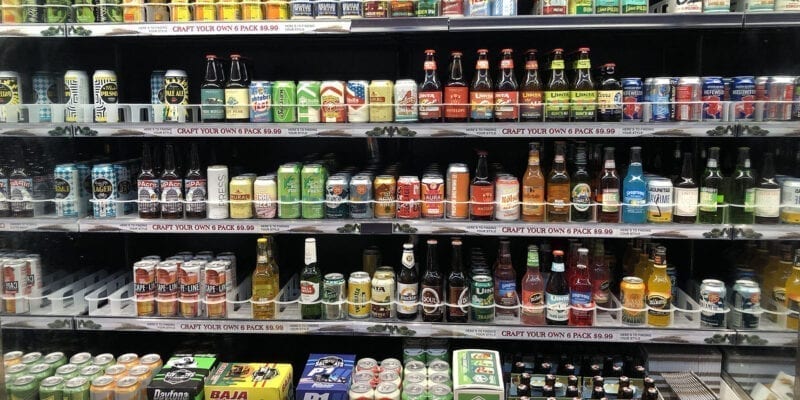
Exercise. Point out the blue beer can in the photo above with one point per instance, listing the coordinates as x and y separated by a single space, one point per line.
632 98
659 95
261 101
67 185
743 96
712 93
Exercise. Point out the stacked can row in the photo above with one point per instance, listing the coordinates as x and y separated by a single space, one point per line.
22 280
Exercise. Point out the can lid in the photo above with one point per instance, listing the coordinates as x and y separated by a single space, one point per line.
39 368
24 380
116 369
139 370
16 368
127 381
52 381
64 369
103 380
75 382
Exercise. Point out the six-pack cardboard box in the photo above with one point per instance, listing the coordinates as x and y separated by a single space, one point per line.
326 376
251 381
477 375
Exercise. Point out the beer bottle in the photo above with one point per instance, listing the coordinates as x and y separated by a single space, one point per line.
581 209
212 92
481 96
711 197
430 91
456 93
609 95
506 97
557 292
148 187
505 282
558 190
532 291
634 190
196 187
583 96
265 281
407 285
609 189
5 207
171 187
556 92
531 91
676 164
768 193
600 275
481 191
457 291
743 194
659 291
237 92
533 188
20 184
432 287
686 192
310 279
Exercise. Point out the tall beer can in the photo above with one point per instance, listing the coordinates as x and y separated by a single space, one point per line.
405 94
241 197
261 101
385 187
359 294
176 95
217 284
85 188
284 101
357 101
76 94
144 287
67 191
34 279
380 101
15 285
104 191
780 92
332 96
265 196
106 92
308 101
125 199
289 191
337 193
217 192
313 178
45 92
167 288
190 288
457 187
10 93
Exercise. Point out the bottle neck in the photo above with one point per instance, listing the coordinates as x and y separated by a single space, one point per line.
194 163
311 254
687 171
262 253
457 261
482 170
433 263
408 259
456 71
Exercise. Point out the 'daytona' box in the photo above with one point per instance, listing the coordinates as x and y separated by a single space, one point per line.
176 383
326 376
477 374
203 364
251 381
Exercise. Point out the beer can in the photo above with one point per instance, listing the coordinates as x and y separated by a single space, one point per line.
90 372
104 83
205 10
133 11
167 288
337 194
796 100
104 191
408 197
334 296
289 181
433 195
390 376
632 291
632 98
143 374
385 191
457 191
326 9
659 96
480 8
790 201
357 100
265 196
241 189
361 200
31 13
359 295
509 8
252 10
368 365
51 388
406 95
67 371
190 286
76 95
176 95
45 91
301 9
34 278
392 364
124 204
713 92
481 298
260 101
507 196
109 11
216 284
361 391
31 359
334 105
416 367
387 391
157 87
10 92
217 192
780 92
127 388
67 191
12 12
77 388
117 370
55 360
659 195
313 178
23 388
102 387
15 371
376 9
743 93
16 287
380 101
284 101
687 97
712 303
308 103
383 294
746 307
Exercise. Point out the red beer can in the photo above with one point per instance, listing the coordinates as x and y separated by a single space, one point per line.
408 197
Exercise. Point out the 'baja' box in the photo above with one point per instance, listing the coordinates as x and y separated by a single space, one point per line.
326 376
477 374
251 381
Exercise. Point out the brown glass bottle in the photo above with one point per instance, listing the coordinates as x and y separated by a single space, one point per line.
407 285
556 92
505 282
609 189
533 192
582 209
481 92
430 91
481 191
196 187
431 296
148 187
558 190
171 187
456 92
583 95
212 92
686 194
506 96
457 290
237 92
531 91
609 95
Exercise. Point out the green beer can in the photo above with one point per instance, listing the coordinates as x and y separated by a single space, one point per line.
67 371
440 392
55 360
40 372
91 371
77 389
289 191
482 298
15 371
414 391
284 102
84 14
58 12
52 388
308 101
24 388
314 177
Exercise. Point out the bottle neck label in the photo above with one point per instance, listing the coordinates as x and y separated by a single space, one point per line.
429 66
557 64
482 64
507 64
531 65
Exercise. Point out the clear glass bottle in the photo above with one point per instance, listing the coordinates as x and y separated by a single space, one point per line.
265 281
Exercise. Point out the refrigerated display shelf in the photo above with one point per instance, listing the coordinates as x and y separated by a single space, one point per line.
766 232
614 21
46 322
39 224
35 130
771 19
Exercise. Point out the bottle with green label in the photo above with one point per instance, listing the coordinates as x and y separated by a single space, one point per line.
743 194
582 95
310 278
711 197
212 93
606 7
556 93
634 6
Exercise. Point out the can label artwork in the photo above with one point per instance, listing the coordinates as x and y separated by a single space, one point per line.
351 9
380 100
479 8
105 92
45 91
337 193
361 205
332 96
685 6
110 11
313 191
9 92
289 191
265 196
580 7
606 7
357 101
713 91
408 197
284 108
716 5
634 6
104 191
308 103
405 94
76 93
176 95
260 102
67 187
326 9
632 98
504 7
302 9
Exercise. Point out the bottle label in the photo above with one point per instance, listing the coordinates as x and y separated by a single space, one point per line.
609 102
658 304
195 195
601 292
557 306
482 200
482 64
532 302
458 295
506 292
557 198
768 202
583 104
708 199
506 105
20 194
213 102
779 294
430 105
457 99
533 200
429 66
581 197
237 103
556 105
580 299
431 299
171 196
309 291
610 200
583 64
149 192
749 200
531 107
481 105
686 202
557 64
531 65
506 64
407 296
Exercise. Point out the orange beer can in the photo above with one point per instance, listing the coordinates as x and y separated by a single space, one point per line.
144 287
457 191
167 288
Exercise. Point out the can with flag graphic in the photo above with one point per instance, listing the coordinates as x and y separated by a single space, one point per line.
332 95
45 92
357 101
308 101
106 92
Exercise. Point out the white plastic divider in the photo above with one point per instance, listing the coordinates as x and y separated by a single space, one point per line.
69 300
113 285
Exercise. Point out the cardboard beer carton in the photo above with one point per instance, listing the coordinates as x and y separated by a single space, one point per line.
250 381
477 375
176 383
326 376
204 364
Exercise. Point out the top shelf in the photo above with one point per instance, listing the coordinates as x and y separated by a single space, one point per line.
393 25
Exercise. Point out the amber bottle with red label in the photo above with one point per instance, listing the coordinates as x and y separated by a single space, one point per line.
481 96
456 92
506 97
430 91
481 191
531 92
